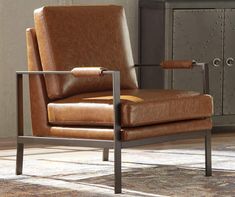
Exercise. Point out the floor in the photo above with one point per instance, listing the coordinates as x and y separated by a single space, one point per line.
169 169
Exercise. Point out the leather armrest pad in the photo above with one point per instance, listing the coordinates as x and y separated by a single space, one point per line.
88 71
177 64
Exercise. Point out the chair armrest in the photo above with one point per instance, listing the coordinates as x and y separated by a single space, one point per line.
177 64
172 64
52 72
88 71
185 64
146 65
116 96
189 64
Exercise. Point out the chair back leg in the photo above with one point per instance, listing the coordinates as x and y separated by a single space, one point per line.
19 158
20 123
105 154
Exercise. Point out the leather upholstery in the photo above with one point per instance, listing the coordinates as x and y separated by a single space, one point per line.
177 64
145 113
138 108
38 94
88 71
80 36
135 133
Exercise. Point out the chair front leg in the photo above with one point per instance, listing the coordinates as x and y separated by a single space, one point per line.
208 164
118 167
117 133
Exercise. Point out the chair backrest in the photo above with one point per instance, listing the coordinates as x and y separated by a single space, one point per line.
78 36
38 94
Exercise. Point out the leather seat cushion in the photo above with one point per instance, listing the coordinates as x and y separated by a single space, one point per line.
138 108
135 133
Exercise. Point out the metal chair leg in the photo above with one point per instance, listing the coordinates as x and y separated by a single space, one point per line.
208 153
105 154
117 168
20 123
19 158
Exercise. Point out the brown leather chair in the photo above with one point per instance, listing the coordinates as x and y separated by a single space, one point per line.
84 92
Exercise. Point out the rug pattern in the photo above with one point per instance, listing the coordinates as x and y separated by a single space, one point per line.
168 170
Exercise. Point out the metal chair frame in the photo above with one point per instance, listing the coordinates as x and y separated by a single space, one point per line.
117 144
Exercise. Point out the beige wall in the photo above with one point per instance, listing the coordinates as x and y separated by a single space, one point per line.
15 17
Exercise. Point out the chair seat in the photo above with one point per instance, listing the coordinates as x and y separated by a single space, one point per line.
138 108
132 133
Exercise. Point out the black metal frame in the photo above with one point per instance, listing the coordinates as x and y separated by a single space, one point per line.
117 144
204 67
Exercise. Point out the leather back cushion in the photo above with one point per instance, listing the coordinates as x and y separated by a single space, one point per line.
84 36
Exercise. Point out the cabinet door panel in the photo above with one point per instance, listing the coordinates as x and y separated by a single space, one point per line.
198 35
229 71
151 46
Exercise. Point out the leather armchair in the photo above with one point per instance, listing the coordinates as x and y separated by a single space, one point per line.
84 92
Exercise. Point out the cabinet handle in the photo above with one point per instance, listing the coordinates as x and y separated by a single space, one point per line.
230 61
216 62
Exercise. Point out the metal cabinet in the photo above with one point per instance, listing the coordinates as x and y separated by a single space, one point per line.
198 34
200 30
228 62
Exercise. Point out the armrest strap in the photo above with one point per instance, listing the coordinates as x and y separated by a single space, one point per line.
88 71
177 64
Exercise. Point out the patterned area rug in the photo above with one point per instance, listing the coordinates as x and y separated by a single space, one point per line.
166 170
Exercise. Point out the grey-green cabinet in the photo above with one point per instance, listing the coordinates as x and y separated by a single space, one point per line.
200 30
228 62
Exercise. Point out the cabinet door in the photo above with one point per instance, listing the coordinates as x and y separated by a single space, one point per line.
198 35
151 46
229 66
